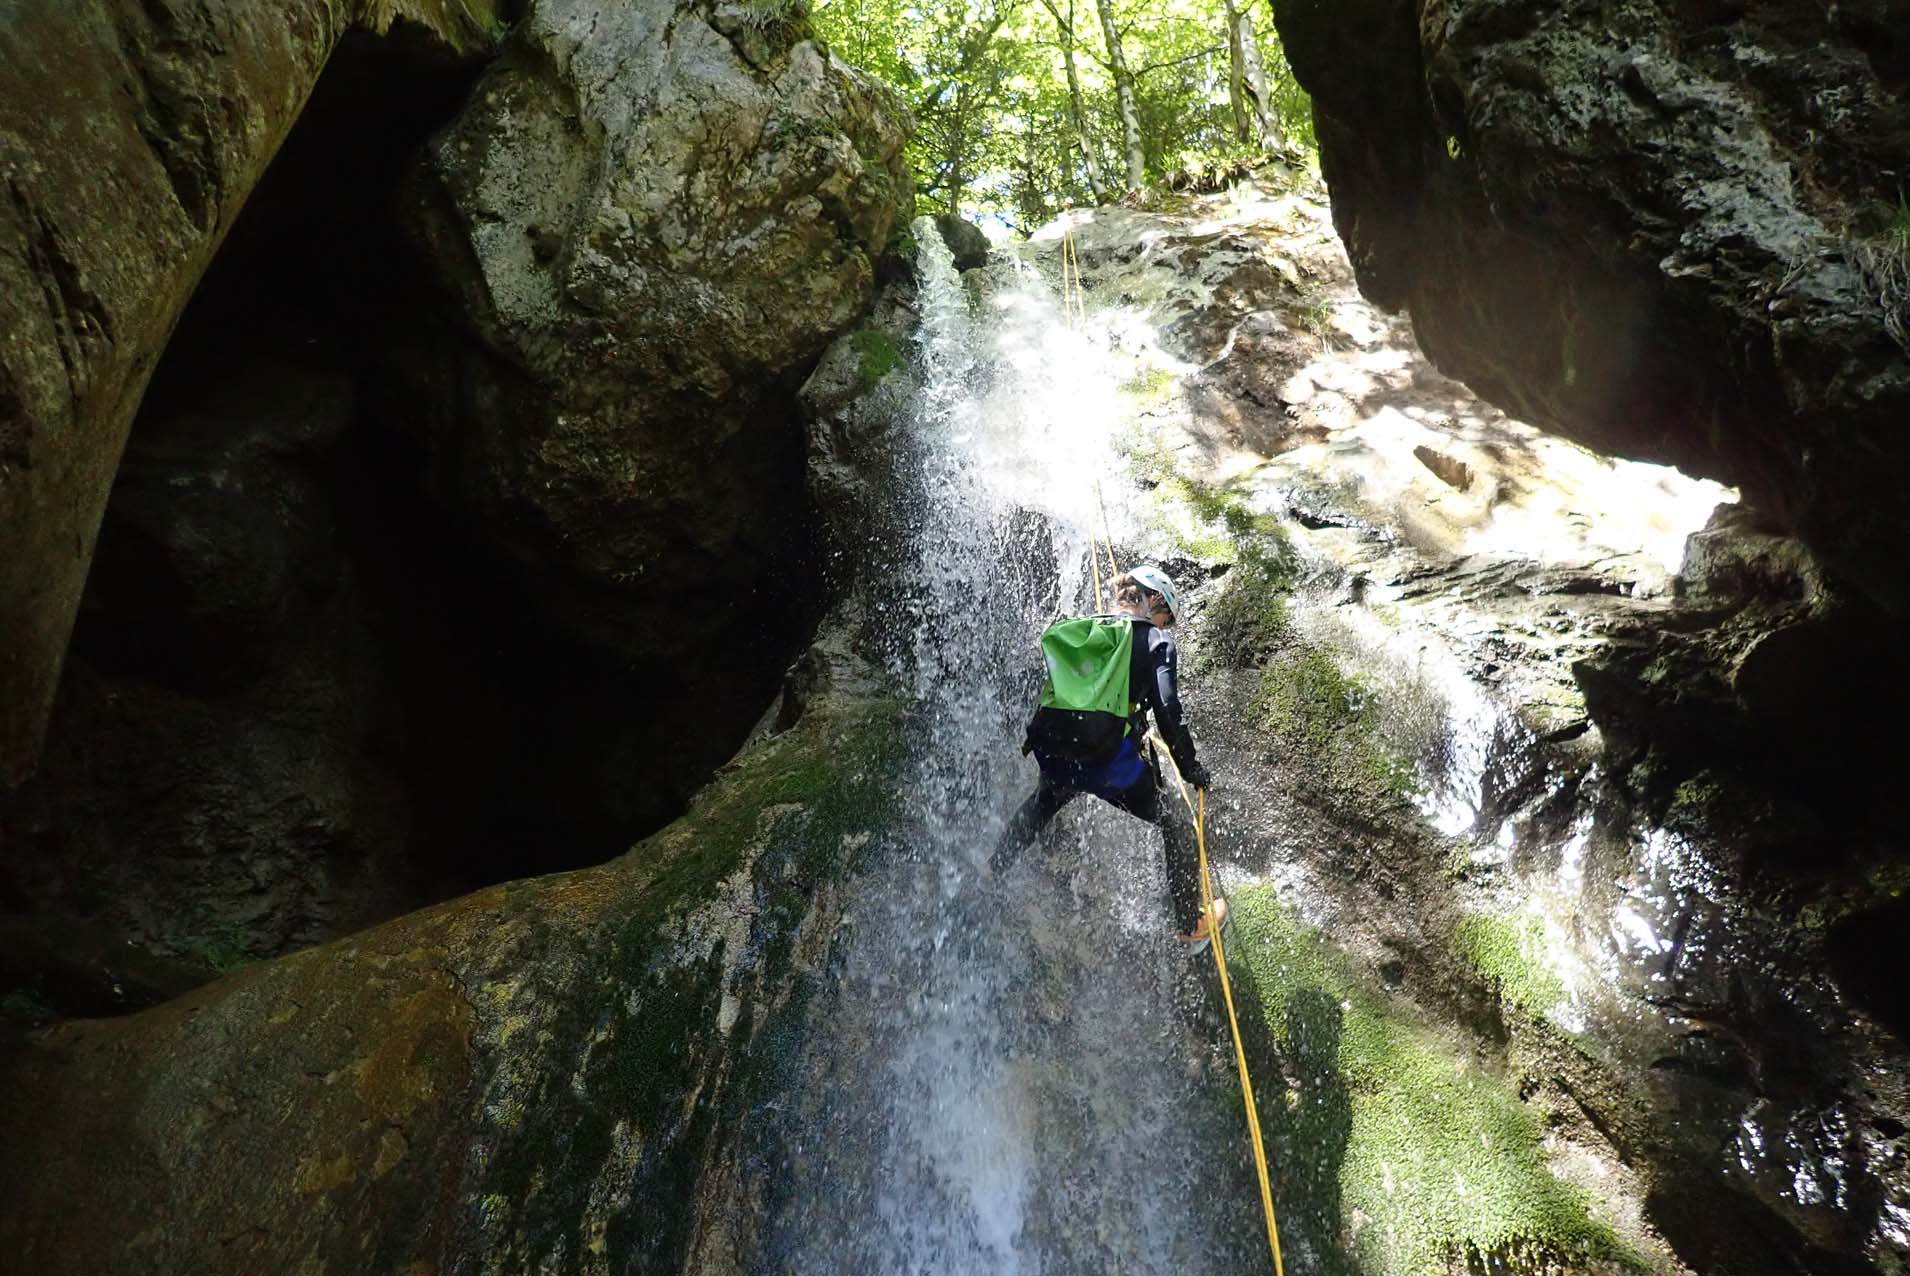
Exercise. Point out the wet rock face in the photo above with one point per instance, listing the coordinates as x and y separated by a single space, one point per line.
646 226
517 1080
1645 843
462 530
1769 669
181 107
965 240
1672 230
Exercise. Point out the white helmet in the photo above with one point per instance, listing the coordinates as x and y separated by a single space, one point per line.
1155 580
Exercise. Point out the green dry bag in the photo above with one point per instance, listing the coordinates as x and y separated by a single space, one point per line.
1085 706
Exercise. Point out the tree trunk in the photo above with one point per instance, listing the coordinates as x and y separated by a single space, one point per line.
1237 74
1254 117
1076 113
1124 95
957 151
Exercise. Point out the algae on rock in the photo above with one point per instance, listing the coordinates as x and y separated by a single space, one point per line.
540 1073
1387 1135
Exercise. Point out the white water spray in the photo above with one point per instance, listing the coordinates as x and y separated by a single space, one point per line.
1002 1076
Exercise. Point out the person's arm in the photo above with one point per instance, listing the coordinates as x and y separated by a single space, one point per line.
1164 694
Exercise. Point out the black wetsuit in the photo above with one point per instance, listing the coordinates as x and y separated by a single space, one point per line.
1152 684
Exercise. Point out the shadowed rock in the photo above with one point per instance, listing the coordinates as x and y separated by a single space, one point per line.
517 1078
1672 230
180 107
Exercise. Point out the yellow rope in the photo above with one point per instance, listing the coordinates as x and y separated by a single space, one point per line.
1074 311
1227 993
1107 536
1074 302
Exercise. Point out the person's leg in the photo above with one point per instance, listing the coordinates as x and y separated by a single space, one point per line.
1182 856
1026 824
1145 801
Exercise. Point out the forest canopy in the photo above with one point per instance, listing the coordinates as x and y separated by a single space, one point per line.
1022 106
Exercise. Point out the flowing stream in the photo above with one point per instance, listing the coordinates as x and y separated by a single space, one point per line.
1021 1075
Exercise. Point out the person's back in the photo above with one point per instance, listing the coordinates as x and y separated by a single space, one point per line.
1127 775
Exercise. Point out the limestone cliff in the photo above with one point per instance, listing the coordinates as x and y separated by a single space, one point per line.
460 530
1674 230
646 225
132 135
535 1075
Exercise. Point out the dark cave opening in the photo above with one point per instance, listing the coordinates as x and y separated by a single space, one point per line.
1866 954
304 695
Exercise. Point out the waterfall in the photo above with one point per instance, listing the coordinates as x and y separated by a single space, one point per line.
1015 1076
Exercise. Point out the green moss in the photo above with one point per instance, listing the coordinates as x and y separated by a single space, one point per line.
219 951
876 355
1150 387
26 1004
801 129
842 781
1248 619
1213 523
1456 864
632 1033
1388 1141
1510 953
1312 708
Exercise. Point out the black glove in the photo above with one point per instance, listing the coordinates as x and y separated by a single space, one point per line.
1196 774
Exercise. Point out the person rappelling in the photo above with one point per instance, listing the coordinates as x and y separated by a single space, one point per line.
1106 675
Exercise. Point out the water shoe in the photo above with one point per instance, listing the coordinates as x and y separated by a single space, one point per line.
1203 933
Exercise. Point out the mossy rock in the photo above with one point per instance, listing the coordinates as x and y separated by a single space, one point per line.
1396 1154
876 356
1313 709
516 1080
1510 954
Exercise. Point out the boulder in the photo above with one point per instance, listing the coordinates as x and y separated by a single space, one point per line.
1767 667
1672 230
852 405
181 106
965 241
382 609
645 227
521 1079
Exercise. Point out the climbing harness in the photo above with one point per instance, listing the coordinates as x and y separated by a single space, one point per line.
1199 812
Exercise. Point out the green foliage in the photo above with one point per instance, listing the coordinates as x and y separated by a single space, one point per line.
1885 261
1510 953
1896 232
1316 317
1387 1137
996 121
764 14
876 355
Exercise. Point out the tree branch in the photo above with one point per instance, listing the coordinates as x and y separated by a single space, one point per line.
1162 66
